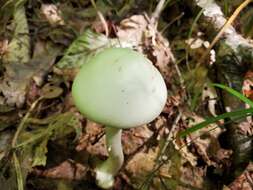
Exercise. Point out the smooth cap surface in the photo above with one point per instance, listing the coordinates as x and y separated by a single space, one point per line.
119 87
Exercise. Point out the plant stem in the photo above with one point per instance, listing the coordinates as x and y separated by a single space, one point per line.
21 126
108 169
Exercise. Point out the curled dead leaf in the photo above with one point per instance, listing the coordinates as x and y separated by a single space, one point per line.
49 92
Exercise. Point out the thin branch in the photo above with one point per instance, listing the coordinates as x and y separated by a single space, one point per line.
224 28
157 12
101 17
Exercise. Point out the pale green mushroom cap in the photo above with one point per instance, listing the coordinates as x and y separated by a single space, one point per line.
119 87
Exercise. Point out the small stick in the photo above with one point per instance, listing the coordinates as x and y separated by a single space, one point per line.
226 25
101 17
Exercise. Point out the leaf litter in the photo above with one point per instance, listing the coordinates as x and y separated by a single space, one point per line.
38 70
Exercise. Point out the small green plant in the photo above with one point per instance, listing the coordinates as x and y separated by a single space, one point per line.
236 114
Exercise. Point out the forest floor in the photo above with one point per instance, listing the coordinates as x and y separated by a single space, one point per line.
46 143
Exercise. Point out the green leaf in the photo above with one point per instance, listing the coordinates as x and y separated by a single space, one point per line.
235 93
59 127
82 49
40 158
33 147
239 113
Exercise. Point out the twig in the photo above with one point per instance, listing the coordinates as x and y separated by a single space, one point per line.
172 21
21 126
223 29
181 79
169 137
157 12
101 17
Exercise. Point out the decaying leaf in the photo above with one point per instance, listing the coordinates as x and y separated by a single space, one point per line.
15 83
8 182
18 50
40 158
32 148
140 165
81 50
152 156
19 67
206 142
131 31
93 140
68 170
33 145
8 120
244 181
17 54
52 14
192 176
135 138
90 138
138 32
135 32
18 76
44 55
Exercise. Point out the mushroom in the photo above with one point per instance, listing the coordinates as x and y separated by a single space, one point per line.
120 89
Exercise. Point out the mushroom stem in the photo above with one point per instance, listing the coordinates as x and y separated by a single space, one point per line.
108 169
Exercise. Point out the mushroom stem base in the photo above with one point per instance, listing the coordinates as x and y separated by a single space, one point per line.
108 169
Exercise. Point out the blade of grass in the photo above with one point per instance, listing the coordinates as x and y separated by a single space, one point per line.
222 125
235 93
244 112
195 22
20 181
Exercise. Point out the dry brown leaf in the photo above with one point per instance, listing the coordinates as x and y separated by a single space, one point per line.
245 128
52 14
131 30
86 141
138 32
68 170
207 144
131 139
162 56
244 181
99 148
134 138
142 163
193 176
